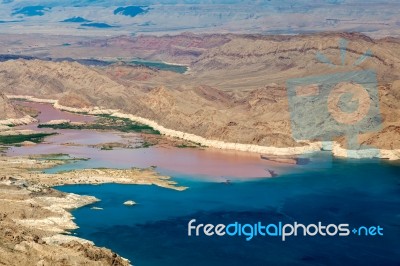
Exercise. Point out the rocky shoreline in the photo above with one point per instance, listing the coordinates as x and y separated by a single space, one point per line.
18 121
286 151
36 220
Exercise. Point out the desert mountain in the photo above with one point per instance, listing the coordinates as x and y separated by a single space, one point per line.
236 87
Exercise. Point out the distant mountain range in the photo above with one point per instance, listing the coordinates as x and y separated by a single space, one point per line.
131 11
76 20
376 18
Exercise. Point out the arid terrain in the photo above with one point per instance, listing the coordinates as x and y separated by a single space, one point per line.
235 90
121 121
233 96
35 218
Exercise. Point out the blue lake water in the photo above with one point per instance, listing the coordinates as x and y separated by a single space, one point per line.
154 232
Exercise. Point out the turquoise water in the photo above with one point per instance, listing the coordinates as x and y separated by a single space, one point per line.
154 232
161 65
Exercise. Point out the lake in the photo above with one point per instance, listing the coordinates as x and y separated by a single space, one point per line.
227 187
161 66
154 232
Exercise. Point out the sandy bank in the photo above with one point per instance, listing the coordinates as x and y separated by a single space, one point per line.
18 121
365 153
133 176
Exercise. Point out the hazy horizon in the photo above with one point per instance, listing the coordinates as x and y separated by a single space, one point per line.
110 18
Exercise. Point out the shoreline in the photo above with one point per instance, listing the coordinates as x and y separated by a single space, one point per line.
18 121
36 209
36 219
218 144
98 176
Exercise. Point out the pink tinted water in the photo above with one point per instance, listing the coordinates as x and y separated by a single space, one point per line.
208 162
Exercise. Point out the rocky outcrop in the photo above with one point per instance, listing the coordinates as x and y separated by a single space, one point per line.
35 220
11 115
32 218
73 99
8 110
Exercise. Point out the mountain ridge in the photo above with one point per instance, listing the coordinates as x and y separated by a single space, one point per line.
245 101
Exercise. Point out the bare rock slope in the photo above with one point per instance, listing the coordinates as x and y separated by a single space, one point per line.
7 109
235 90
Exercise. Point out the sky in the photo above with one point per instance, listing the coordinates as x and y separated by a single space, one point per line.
106 17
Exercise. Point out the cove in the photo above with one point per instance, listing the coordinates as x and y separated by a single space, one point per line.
154 232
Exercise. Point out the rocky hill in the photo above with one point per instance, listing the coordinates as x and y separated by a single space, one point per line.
7 109
249 60
235 90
